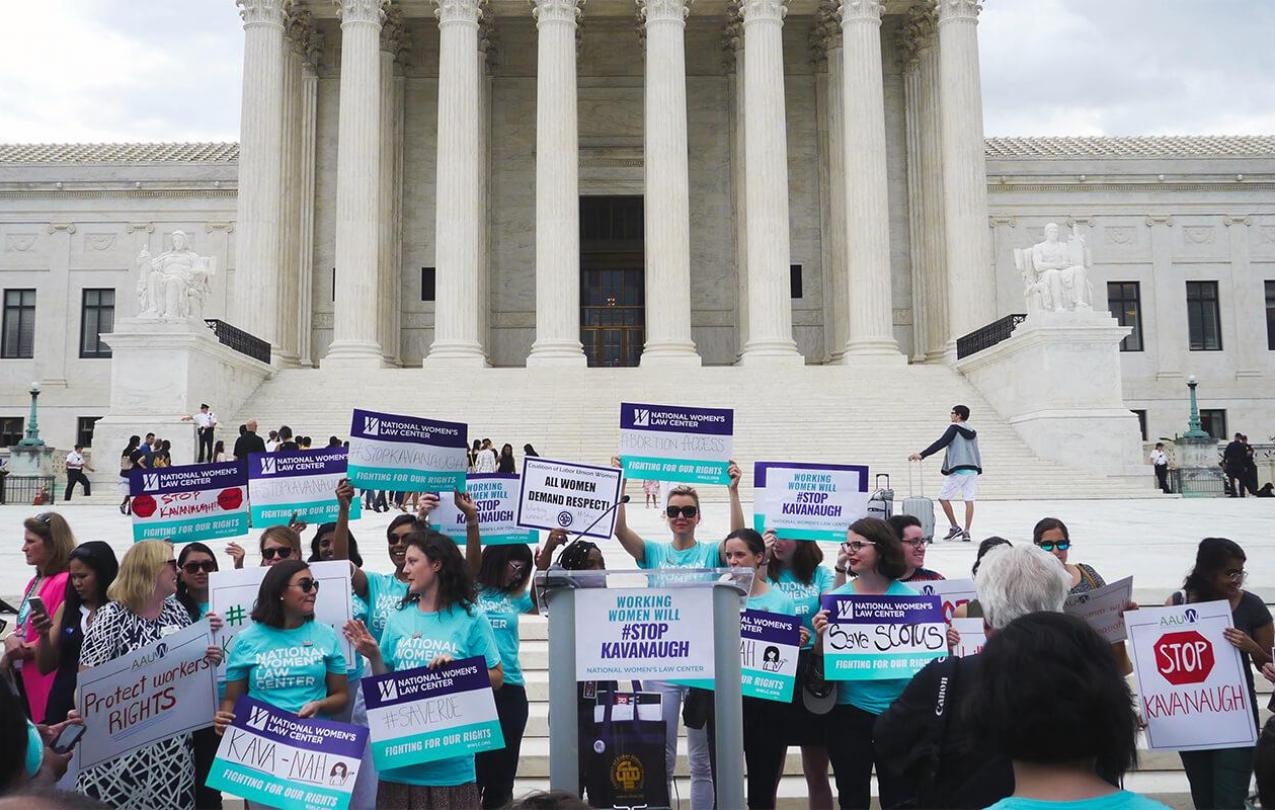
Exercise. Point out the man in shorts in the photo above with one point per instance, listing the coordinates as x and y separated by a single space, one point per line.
962 465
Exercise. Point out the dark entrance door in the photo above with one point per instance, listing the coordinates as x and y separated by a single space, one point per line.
612 280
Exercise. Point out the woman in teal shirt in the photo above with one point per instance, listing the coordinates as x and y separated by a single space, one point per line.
286 658
443 625
874 555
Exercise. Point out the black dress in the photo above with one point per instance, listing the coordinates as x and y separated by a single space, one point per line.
62 693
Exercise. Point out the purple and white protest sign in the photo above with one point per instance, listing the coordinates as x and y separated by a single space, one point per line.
495 496
874 637
676 442
561 495
304 484
768 648
808 501
191 502
407 453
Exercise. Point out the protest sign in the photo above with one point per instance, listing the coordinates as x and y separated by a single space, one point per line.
406 453
873 637
193 502
233 593
973 636
768 647
676 443
496 497
644 633
278 759
808 501
421 715
953 592
1191 683
281 484
561 495
150 694
1103 608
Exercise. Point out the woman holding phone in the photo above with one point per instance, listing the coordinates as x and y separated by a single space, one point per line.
47 543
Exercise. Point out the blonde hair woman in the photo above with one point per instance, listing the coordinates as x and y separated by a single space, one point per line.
276 544
142 610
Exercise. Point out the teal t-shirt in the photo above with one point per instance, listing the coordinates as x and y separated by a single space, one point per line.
663 555
1120 800
384 594
286 668
502 612
874 697
412 639
772 601
358 612
35 750
806 596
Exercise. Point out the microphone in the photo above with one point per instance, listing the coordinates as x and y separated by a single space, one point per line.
610 509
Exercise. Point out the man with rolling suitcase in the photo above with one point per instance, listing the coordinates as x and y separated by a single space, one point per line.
962 465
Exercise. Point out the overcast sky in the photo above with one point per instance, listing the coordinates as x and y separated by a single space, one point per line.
169 70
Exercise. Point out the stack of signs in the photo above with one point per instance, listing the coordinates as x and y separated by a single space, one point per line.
575 497
675 443
1103 608
147 695
277 759
874 637
406 453
421 715
1191 681
283 484
193 502
808 501
644 634
496 497
953 592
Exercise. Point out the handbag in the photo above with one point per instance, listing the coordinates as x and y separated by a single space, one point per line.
624 759
818 694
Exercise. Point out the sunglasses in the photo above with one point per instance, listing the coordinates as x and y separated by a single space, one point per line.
207 566
282 552
684 511
171 564
1061 545
307 585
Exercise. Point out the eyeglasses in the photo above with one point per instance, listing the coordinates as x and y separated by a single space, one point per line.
684 511
207 566
858 545
915 542
1237 575
307 585
1061 545
516 565
282 552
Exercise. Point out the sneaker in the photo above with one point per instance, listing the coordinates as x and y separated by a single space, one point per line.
965 537
953 533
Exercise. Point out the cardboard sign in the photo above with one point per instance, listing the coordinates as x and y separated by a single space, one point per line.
280 760
406 453
148 695
676 443
233 593
1191 684
874 637
562 495
193 502
421 715
973 636
644 633
496 496
953 592
1103 608
808 501
280 484
768 647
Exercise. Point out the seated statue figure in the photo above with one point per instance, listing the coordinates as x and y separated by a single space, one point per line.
1061 269
175 283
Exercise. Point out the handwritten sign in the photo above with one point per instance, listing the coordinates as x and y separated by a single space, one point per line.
406 453
561 495
808 501
496 497
192 502
280 484
644 633
281 760
1103 608
676 443
421 715
874 637
768 647
150 694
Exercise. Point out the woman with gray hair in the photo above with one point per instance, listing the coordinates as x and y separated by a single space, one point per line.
923 736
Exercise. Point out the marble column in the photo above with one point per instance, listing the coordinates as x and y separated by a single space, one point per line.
355 331
56 338
255 294
1249 294
871 330
668 217
305 183
1165 315
766 187
486 54
733 57
389 209
971 285
286 351
557 188
836 309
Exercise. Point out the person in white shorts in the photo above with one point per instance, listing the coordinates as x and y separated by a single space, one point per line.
962 465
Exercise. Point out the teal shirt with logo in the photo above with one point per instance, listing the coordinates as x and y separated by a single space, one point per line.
384 594
874 697
662 556
286 668
805 596
412 639
772 601
502 610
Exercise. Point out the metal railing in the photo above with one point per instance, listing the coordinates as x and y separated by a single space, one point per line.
987 336
239 340
22 489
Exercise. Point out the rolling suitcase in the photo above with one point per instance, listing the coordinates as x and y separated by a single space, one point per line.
881 502
919 506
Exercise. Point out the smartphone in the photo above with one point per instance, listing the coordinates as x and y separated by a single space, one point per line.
37 604
68 739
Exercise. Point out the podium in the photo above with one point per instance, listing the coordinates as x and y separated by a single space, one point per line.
556 591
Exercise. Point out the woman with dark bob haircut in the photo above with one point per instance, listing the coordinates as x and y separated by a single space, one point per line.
1052 699
874 554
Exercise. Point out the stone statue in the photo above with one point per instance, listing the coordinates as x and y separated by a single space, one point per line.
174 284
1056 274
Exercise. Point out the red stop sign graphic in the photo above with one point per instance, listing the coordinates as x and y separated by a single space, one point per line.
1184 657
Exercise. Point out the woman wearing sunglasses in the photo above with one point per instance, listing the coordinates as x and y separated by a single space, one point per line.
276 544
1051 535
195 562
1220 778
874 555
286 658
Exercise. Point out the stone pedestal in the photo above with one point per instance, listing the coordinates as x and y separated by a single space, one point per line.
1199 475
30 460
1057 380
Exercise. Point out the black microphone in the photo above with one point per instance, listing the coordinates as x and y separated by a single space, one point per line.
610 509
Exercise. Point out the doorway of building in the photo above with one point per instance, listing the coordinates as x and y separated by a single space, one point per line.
612 280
